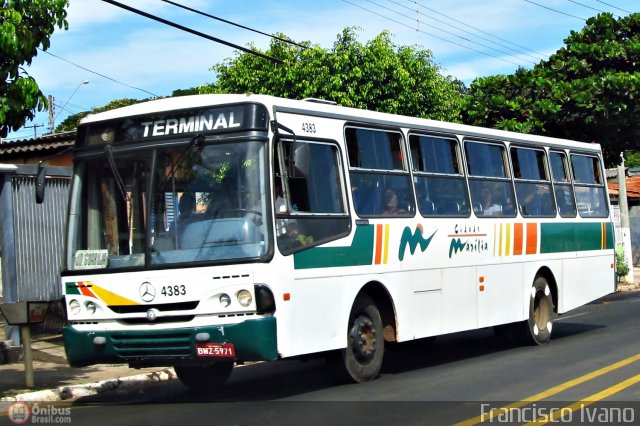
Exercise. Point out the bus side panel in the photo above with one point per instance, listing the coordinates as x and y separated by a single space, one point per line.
499 292
459 299
426 306
586 278
319 321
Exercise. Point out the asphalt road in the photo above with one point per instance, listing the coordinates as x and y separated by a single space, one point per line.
589 372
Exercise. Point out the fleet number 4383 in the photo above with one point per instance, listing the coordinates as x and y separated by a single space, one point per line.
173 290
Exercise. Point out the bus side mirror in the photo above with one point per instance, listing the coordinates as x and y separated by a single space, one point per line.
40 178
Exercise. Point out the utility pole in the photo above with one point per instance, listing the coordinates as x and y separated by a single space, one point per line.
51 114
624 220
34 129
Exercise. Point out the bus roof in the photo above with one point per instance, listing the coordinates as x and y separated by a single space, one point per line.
327 109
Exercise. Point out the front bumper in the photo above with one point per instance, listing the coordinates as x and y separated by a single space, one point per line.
254 340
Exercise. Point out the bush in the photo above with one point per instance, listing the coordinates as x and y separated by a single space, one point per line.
621 267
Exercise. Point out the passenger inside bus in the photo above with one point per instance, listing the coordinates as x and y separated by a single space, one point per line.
489 207
390 203
187 206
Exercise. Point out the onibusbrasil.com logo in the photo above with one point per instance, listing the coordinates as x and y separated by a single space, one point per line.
22 413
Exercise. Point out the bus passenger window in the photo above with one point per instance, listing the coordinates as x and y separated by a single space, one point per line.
310 203
439 184
489 181
377 167
533 186
562 184
591 196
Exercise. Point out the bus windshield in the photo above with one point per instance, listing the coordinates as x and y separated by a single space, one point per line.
170 204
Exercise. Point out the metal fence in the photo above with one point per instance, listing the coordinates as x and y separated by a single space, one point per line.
32 235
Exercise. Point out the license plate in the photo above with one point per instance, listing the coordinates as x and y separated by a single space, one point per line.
225 350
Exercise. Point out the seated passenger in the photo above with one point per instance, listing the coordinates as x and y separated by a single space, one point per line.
390 203
186 211
489 208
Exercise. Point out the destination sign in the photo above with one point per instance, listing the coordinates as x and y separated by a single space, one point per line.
184 122
194 123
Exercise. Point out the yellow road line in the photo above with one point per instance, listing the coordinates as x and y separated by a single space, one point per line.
587 401
550 392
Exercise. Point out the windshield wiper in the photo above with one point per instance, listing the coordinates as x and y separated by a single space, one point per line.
108 150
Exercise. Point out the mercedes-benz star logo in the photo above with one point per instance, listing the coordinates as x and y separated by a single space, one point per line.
147 292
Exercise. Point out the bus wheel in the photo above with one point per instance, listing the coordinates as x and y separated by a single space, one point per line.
362 358
204 378
537 329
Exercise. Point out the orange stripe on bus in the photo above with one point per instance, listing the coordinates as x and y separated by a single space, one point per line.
517 239
378 244
84 289
532 238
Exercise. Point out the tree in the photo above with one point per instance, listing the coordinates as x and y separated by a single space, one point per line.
24 26
588 90
377 75
72 121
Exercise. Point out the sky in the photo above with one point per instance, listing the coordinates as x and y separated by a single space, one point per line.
110 53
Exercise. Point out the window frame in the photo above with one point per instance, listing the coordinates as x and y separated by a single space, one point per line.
524 183
290 215
505 181
381 174
432 175
597 161
568 183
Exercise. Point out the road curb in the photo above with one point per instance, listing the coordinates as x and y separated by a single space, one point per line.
64 393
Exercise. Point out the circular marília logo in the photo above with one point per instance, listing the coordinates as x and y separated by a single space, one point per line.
147 292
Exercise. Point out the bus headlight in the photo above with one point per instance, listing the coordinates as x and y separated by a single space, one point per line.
244 298
90 307
74 307
225 300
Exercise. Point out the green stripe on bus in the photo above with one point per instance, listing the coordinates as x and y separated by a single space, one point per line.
575 236
360 252
72 288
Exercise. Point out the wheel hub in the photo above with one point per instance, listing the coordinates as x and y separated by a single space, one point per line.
363 339
541 311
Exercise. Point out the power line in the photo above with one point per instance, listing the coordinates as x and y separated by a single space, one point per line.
615 7
233 23
445 31
456 27
589 7
97 73
191 31
555 10
429 34
542 56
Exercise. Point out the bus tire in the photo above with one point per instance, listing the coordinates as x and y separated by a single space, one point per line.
362 358
536 330
205 378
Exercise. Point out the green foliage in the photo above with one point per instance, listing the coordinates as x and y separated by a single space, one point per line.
72 121
24 26
622 269
632 159
587 90
377 75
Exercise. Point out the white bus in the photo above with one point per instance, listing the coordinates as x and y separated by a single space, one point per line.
206 231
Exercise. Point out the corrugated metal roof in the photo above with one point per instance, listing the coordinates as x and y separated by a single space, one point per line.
43 143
